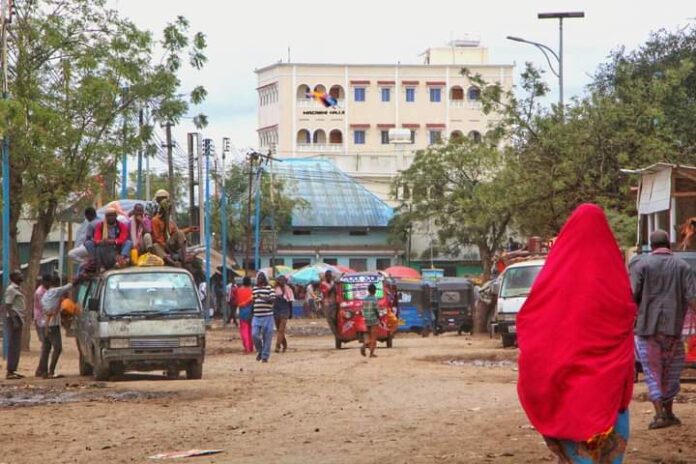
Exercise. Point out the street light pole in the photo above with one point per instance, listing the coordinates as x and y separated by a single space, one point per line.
5 18
207 147
558 56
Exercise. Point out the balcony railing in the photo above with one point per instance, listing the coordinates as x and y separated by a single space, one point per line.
323 147
457 103
312 103
369 164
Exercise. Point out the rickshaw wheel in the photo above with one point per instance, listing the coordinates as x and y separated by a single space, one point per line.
338 344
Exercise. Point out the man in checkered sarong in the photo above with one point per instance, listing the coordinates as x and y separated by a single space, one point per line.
664 289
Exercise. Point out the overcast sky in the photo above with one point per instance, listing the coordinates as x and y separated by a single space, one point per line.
246 35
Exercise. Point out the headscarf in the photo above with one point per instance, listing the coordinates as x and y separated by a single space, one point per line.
575 333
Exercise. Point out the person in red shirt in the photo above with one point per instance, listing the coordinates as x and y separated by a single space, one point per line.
245 299
112 242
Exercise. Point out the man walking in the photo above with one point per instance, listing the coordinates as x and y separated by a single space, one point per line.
328 301
15 306
262 323
664 289
51 303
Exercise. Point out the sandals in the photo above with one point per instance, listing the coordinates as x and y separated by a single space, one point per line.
660 422
674 420
13 376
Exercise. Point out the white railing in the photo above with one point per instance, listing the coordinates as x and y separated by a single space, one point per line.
312 103
330 147
457 103
369 164
474 105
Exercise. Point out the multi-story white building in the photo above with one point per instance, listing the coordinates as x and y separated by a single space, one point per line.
432 100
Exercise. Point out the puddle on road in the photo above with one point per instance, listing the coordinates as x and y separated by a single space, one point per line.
22 396
491 360
481 363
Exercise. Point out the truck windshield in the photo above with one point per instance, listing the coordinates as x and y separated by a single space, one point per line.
518 281
150 293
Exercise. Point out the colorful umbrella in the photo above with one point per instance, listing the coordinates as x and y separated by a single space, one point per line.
344 269
280 270
313 273
402 272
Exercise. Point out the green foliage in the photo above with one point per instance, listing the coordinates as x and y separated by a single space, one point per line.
460 188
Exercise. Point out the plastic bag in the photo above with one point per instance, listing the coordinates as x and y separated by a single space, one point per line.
148 259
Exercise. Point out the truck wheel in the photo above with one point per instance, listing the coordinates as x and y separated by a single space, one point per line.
85 367
338 344
390 341
508 340
194 371
101 371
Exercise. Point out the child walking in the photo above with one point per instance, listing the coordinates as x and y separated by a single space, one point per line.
371 315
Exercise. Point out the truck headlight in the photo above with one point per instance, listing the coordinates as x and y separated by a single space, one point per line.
119 343
188 341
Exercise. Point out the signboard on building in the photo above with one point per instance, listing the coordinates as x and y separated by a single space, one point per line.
432 275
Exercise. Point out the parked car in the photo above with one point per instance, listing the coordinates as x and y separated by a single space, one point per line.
140 318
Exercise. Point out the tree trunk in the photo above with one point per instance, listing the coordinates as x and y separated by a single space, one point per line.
16 200
482 310
39 233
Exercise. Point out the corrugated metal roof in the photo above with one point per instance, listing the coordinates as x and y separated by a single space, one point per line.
334 198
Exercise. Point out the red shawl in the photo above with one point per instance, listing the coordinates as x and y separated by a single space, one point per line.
575 333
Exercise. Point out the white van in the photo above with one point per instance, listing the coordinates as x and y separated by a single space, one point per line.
513 288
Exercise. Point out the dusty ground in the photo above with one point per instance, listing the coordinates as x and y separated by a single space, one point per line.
440 399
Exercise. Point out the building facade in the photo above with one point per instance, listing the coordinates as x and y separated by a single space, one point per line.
433 101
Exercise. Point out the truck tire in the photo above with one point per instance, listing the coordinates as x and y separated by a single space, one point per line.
337 344
101 371
509 340
194 371
84 366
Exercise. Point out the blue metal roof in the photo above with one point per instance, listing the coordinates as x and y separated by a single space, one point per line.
334 198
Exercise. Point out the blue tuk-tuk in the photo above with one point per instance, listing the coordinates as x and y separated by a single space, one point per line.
415 314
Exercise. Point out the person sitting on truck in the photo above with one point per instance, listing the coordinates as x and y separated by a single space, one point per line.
168 239
85 236
575 334
140 229
112 244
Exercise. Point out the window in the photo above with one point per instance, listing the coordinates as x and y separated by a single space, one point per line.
383 263
357 233
475 136
410 94
457 93
301 232
331 261
150 292
277 262
359 137
300 263
385 137
436 95
435 137
386 94
359 93
413 136
358 264
474 94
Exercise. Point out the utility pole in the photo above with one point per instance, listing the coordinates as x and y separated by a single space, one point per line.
223 229
139 181
273 224
251 158
6 20
124 161
207 147
193 211
170 162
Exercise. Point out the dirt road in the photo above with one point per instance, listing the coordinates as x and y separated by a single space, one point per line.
444 399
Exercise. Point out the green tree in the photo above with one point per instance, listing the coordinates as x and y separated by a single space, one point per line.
70 117
461 188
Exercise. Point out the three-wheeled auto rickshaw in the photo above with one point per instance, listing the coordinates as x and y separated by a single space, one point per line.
415 313
455 305
351 289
